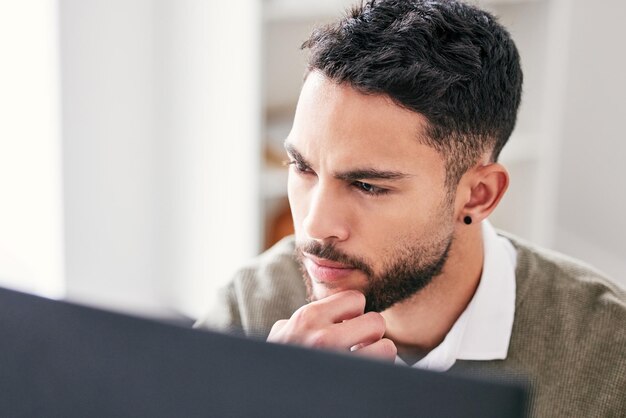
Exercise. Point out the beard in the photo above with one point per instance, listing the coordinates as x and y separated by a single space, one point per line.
410 269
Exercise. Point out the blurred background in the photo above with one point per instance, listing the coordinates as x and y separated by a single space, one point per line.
140 141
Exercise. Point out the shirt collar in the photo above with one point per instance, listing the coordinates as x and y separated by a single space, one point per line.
483 330
492 309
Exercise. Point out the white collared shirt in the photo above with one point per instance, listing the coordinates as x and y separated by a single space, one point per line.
483 331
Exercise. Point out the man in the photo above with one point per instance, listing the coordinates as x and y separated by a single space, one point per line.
393 153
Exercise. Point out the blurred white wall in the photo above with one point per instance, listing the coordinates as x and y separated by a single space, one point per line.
591 202
160 149
31 228
112 208
209 120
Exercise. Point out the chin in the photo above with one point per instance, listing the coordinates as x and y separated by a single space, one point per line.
318 289
321 291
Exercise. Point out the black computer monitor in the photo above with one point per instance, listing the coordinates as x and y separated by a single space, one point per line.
63 360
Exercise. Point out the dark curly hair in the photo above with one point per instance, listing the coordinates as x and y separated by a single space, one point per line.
449 61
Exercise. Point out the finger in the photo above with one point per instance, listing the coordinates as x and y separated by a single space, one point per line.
338 307
311 325
383 349
364 329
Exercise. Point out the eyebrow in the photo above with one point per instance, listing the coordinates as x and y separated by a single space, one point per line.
351 175
293 153
370 174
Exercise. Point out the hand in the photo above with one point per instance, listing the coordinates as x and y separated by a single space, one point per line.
337 323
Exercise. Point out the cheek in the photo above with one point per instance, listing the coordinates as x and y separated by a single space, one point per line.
389 218
384 232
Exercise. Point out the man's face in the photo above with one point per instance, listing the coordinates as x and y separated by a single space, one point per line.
370 207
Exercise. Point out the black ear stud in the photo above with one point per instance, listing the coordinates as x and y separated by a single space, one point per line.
467 220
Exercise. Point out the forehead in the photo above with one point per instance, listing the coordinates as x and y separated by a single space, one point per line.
338 125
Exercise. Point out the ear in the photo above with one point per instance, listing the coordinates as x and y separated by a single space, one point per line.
480 191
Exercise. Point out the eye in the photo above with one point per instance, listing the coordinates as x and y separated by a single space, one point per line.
369 189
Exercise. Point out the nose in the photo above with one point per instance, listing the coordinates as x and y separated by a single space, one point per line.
327 216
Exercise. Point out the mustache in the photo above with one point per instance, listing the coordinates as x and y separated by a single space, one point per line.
331 253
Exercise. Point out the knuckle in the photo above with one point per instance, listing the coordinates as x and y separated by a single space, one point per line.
319 339
376 320
388 347
305 316
356 297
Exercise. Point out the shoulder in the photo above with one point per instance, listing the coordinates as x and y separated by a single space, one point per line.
570 328
266 289
554 277
272 279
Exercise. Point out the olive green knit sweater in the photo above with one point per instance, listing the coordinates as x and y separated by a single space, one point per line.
569 333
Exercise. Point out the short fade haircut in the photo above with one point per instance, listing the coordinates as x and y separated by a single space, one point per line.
444 59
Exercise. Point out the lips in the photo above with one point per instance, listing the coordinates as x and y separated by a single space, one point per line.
324 270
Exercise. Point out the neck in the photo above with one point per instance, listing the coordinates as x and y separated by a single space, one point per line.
420 323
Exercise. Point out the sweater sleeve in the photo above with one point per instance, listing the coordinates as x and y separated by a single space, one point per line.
268 289
224 313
